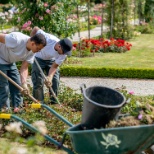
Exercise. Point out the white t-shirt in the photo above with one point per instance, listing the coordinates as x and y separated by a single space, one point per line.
14 49
48 52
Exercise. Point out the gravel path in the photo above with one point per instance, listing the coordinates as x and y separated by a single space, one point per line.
139 86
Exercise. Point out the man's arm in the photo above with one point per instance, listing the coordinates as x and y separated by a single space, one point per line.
24 72
2 38
34 31
52 71
48 81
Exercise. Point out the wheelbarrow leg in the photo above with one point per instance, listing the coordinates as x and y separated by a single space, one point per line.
144 146
149 150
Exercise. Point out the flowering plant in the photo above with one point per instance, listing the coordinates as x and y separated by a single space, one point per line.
94 20
5 17
51 16
136 111
104 45
82 49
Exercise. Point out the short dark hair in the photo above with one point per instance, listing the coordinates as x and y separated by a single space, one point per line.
39 39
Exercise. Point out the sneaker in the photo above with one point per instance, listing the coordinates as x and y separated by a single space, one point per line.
17 110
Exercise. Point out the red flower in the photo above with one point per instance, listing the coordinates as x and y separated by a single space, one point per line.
101 44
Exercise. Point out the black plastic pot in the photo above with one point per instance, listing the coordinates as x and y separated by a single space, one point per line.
101 104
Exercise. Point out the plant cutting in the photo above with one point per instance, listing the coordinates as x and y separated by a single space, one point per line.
138 111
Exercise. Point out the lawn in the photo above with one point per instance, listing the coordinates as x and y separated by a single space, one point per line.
15 147
141 55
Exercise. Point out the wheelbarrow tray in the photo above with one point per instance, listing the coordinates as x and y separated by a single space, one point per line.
119 140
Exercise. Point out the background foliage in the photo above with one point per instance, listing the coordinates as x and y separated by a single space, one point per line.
49 15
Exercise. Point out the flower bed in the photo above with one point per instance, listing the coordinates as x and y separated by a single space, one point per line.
103 45
137 111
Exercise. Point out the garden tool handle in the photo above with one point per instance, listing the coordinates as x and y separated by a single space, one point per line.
50 88
40 68
19 87
54 95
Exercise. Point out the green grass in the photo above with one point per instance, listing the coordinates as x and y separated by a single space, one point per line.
13 147
5 26
141 55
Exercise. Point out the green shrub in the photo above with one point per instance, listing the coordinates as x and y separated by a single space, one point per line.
108 72
145 29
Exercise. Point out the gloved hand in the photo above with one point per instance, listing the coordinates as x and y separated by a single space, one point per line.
48 81
25 90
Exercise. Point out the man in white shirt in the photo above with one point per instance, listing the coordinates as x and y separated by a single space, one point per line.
49 58
16 47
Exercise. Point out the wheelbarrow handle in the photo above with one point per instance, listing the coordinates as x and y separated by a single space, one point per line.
19 87
36 130
82 87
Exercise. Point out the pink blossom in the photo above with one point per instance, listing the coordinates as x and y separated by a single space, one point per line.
131 93
74 48
140 116
18 18
48 11
26 25
41 18
6 13
29 22
45 4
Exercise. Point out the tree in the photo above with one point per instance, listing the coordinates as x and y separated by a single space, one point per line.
149 10
140 11
118 19
50 15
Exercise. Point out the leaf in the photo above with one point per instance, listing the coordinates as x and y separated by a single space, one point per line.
104 143
105 138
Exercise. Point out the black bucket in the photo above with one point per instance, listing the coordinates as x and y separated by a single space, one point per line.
101 104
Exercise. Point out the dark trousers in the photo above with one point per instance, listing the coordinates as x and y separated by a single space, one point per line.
7 89
38 80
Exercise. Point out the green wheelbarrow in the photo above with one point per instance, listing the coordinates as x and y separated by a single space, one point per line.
102 104
122 140
96 139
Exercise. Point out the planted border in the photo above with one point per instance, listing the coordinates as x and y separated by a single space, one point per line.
108 72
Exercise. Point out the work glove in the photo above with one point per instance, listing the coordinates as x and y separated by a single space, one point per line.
25 90
48 82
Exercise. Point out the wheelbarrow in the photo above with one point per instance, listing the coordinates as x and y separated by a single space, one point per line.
122 140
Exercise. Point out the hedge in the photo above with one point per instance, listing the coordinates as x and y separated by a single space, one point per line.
108 72
104 72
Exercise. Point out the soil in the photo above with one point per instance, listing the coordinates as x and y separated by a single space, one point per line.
147 118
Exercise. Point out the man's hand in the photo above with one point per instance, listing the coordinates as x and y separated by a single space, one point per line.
34 31
25 90
48 81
